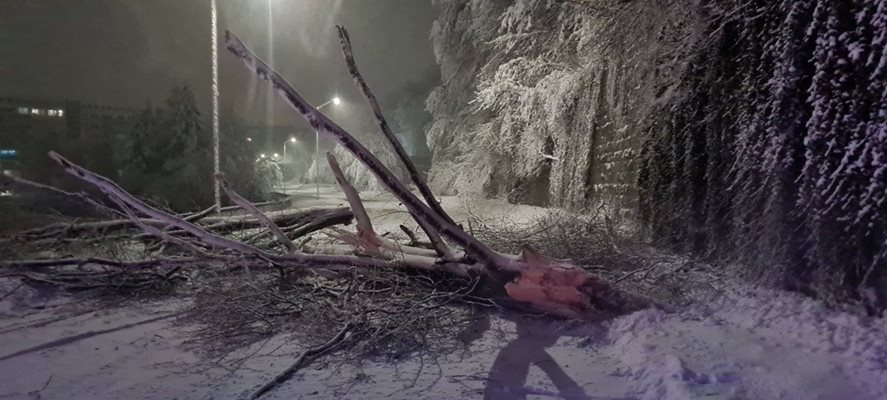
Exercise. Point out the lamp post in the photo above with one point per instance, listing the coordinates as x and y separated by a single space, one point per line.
215 96
334 101
290 140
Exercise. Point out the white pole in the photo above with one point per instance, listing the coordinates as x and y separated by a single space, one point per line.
283 171
215 96
317 149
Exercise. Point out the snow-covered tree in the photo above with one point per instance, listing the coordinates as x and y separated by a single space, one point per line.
752 130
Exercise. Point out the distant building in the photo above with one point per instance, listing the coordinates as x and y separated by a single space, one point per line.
74 118
32 127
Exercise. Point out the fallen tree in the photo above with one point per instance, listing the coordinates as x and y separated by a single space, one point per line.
527 280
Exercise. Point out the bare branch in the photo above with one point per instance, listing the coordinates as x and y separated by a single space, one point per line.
347 51
81 196
111 189
364 225
99 261
303 360
163 235
260 216
298 259
324 125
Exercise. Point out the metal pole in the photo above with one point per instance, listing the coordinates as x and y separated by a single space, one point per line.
215 95
317 161
317 152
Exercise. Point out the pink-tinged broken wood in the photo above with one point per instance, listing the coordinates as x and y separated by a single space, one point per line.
550 285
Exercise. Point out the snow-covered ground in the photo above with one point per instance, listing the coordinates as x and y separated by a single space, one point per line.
749 343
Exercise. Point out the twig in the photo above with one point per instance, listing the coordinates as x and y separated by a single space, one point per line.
81 196
45 385
412 236
646 270
303 360
11 291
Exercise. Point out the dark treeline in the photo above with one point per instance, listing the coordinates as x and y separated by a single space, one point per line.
168 155
162 153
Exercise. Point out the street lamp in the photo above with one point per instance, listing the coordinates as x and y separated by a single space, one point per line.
215 97
334 101
290 140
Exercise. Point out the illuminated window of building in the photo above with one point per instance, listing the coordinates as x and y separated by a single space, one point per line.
52 113
61 113
36 111
23 110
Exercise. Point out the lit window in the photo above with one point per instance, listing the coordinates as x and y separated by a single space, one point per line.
52 113
23 110
36 111
61 113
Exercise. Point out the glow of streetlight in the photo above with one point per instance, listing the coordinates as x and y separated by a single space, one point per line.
336 100
262 155
276 155
249 139
292 140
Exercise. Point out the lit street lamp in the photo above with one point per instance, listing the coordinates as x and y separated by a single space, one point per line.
290 140
335 101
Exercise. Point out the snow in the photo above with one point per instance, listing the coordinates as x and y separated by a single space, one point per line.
746 343
753 343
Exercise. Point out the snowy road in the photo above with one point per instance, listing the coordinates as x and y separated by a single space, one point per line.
750 343
757 345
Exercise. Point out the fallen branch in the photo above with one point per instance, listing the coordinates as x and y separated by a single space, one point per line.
419 210
426 192
82 196
261 217
365 230
61 262
304 360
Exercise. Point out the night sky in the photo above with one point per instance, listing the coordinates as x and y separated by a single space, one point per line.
129 52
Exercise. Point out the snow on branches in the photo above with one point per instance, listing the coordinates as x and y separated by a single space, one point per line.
755 130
